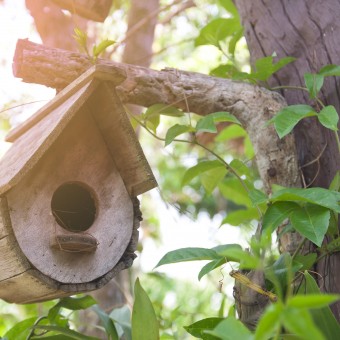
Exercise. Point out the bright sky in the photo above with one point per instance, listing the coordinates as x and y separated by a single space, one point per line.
16 23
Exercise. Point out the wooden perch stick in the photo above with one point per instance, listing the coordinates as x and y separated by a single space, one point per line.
252 105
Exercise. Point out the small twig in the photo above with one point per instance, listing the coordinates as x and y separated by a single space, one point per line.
32 332
144 21
181 8
19 105
317 160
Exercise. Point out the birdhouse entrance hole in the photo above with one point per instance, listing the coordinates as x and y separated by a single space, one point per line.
74 207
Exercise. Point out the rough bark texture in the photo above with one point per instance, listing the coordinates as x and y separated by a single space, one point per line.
252 105
309 31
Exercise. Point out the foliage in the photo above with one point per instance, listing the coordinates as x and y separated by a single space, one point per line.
81 38
296 308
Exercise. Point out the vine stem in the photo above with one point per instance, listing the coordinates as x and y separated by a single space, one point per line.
194 142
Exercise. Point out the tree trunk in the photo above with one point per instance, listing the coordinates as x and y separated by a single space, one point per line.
54 27
307 30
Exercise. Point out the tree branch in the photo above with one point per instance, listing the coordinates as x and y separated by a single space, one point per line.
252 105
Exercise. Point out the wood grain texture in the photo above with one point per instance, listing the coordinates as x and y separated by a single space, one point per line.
26 288
96 10
309 31
78 154
121 140
252 105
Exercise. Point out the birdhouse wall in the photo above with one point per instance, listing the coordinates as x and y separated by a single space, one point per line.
16 273
79 155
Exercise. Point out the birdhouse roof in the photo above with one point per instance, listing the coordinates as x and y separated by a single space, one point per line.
93 91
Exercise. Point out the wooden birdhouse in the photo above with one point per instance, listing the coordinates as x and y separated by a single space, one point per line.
68 187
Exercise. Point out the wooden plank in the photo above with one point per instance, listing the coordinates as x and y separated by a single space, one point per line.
100 72
78 155
12 263
30 147
5 220
26 288
121 140
96 10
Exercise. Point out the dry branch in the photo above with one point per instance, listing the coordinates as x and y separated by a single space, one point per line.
252 105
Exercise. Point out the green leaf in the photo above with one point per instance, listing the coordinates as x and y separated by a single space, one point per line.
232 189
257 197
188 254
223 116
306 261
329 118
299 322
162 109
199 168
326 198
144 321
175 131
224 71
278 272
107 322
81 39
210 267
313 83
217 30
19 329
282 63
101 47
65 331
238 34
249 151
269 322
277 213
312 222
230 7
231 132
55 337
72 304
235 253
231 329
335 184
240 168
208 123
211 178
240 216
198 328
312 301
122 316
265 67
323 317
227 251
330 70
286 119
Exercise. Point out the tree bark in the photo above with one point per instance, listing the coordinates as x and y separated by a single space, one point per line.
138 46
307 30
